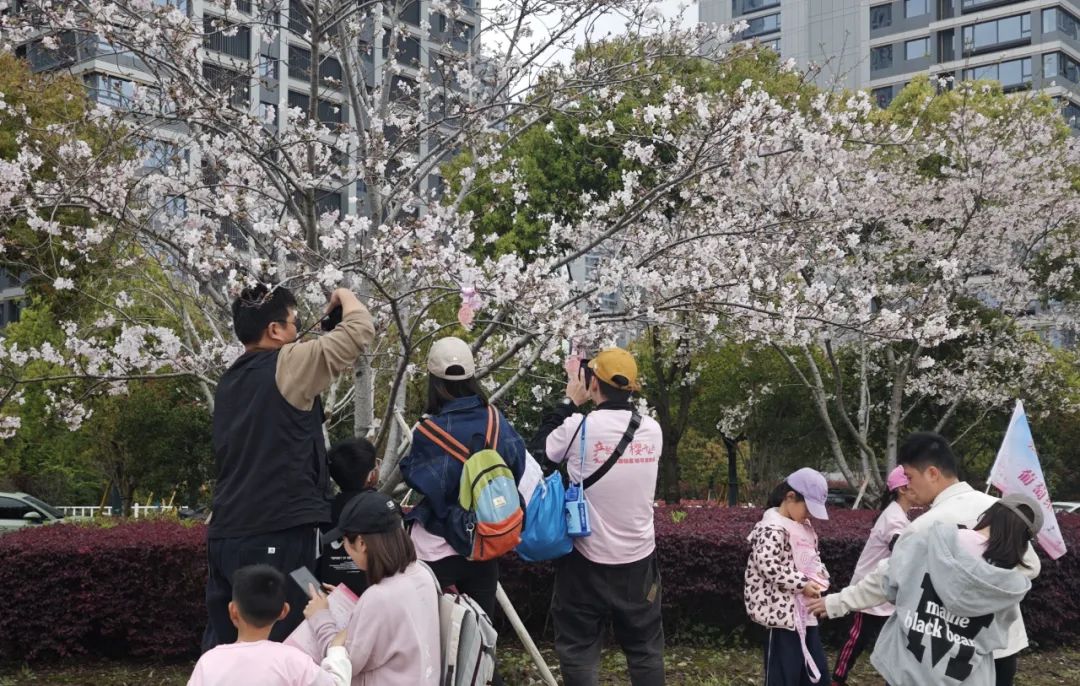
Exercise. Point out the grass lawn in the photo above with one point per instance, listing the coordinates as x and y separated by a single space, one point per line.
686 666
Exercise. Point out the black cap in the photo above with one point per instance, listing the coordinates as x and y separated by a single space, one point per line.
369 512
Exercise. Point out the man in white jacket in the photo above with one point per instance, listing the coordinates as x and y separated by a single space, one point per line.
930 466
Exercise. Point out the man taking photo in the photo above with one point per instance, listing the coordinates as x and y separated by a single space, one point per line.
271 490
613 453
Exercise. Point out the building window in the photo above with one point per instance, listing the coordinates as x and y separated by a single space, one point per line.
917 49
110 90
158 155
880 17
461 33
268 67
745 6
299 22
882 96
1013 74
411 13
1060 20
994 35
408 47
773 44
300 67
1071 113
299 63
880 57
1057 64
916 8
217 37
268 114
228 82
761 25
972 5
328 112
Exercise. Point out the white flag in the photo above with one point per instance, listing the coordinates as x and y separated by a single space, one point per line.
1017 470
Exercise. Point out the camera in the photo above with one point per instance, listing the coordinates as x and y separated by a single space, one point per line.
332 319
585 372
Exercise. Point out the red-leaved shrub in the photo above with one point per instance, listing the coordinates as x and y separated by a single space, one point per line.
137 588
132 589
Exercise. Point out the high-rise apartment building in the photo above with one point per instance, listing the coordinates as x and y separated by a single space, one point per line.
267 76
881 46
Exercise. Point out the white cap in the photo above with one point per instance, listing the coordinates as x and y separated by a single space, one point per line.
451 352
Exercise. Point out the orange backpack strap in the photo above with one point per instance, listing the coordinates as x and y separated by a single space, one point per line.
491 436
437 435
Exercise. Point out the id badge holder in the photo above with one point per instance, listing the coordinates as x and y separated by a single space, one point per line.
577 512
577 509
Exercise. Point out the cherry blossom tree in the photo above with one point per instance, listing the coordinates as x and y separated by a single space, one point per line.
806 223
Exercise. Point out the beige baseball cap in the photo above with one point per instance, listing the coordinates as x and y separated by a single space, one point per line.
451 352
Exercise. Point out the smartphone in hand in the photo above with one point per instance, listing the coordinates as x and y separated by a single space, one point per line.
305 579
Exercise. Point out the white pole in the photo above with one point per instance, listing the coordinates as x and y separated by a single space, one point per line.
862 492
523 634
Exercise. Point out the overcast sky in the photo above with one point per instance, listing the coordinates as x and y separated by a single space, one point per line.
614 24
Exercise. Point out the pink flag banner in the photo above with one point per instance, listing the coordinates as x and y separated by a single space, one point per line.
1017 470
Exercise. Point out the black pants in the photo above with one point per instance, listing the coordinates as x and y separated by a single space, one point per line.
784 661
1005 669
285 550
587 595
478 580
863 634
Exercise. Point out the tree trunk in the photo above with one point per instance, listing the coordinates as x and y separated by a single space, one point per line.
363 397
670 472
732 447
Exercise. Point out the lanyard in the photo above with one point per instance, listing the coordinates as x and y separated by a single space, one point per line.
581 472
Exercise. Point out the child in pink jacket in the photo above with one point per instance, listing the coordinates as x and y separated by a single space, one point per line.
784 570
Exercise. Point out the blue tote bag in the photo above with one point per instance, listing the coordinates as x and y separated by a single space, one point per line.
545 536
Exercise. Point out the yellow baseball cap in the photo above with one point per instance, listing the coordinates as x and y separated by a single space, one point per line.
616 367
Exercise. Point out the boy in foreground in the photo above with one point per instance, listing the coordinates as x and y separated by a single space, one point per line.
254 660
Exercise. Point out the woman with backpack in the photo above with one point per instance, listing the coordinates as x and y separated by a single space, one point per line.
392 632
456 532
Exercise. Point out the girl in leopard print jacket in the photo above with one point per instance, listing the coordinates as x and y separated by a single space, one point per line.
784 568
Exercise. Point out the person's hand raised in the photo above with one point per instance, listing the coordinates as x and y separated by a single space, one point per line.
317 604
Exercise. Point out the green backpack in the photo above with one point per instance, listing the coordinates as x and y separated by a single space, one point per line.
488 491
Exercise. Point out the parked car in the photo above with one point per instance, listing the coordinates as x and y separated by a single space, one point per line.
1067 508
18 510
840 498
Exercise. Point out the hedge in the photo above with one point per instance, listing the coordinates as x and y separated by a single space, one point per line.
136 589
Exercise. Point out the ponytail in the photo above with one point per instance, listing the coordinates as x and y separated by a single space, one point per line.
780 492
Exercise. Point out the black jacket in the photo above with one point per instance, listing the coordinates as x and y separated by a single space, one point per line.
271 457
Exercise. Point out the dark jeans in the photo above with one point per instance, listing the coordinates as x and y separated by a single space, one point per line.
284 550
863 634
477 580
587 595
784 661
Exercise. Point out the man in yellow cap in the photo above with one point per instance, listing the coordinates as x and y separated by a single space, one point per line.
612 456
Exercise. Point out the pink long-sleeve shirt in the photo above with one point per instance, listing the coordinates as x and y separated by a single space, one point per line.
393 632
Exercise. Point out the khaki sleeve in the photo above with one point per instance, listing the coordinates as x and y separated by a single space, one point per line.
305 370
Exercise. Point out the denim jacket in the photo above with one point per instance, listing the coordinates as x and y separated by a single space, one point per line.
430 471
